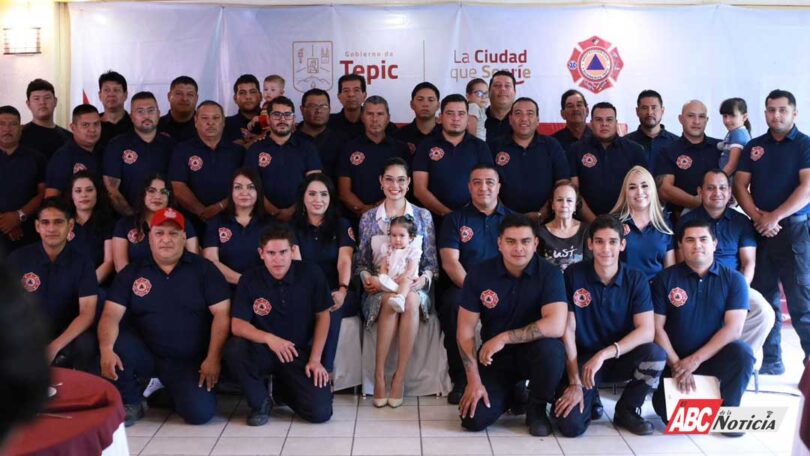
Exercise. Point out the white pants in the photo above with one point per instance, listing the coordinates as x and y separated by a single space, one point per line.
758 324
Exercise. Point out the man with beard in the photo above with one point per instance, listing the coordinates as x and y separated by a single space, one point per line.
80 153
112 91
424 103
247 95
42 133
132 156
329 142
651 134
179 121
442 164
574 110
502 92
282 160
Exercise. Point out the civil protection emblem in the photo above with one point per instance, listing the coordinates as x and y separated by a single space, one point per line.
757 152
489 299
30 282
224 234
141 287
312 65
684 162
595 64
678 297
262 307
502 159
466 234
582 298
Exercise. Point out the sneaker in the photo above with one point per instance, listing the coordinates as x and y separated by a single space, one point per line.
597 409
259 416
455 396
153 385
397 302
774 368
537 420
631 419
132 413
520 396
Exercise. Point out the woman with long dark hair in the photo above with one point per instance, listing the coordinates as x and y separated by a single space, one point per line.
92 232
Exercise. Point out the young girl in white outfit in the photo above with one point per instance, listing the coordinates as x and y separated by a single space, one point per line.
398 260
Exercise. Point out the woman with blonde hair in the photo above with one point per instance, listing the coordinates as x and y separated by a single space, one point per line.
647 229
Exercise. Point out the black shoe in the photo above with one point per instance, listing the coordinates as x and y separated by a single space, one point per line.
537 420
597 409
774 368
259 416
520 396
455 396
631 419
132 413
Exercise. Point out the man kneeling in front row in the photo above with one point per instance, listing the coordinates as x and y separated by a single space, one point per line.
280 323
609 335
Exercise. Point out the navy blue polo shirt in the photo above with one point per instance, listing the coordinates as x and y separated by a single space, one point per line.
362 161
285 308
733 230
20 176
69 160
449 166
601 171
472 233
233 127
179 131
237 244
171 311
566 138
528 175
139 243
56 286
131 159
695 307
774 167
496 128
207 172
43 139
89 239
329 144
653 146
604 313
411 135
646 249
282 167
506 302
317 248
689 162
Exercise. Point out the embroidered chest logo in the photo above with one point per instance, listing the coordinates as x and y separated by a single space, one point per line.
134 236
589 160
78 167
129 156
141 286
489 299
678 297
466 233
436 153
262 307
684 162
626 228
502 158
195 163
757 152
224 235
350 232
357 158
265 159
71 236
30 282
582 298
411 148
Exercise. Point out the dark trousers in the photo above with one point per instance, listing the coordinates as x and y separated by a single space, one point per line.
448 318
542 362
81 354
350 308
642 366
785 258
250 362
733 365
180 377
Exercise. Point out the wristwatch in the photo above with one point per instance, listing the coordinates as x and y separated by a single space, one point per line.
23 217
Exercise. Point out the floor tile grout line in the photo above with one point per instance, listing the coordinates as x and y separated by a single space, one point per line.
356 415
152 437
419 420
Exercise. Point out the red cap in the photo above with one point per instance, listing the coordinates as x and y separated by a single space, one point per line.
169 215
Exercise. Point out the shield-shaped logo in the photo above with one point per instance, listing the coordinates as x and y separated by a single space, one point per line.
312 65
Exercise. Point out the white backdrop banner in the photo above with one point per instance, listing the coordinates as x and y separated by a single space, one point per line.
609 53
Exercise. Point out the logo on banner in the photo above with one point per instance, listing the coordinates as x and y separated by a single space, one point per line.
678 297
372 64
30 282
489 299
702 416
312 65
595 64
757 152
502 158
684 162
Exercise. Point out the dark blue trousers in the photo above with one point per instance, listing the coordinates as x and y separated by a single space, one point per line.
733 365
542 362
180 377
81 354
785 258
447 309
642 366
251 362
350 308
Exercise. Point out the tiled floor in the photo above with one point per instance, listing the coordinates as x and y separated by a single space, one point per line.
428 426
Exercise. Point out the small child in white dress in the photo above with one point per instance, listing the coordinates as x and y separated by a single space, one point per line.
398 260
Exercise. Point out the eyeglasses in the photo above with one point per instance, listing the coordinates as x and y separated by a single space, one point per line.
390 180
162 191
276 115
480 93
